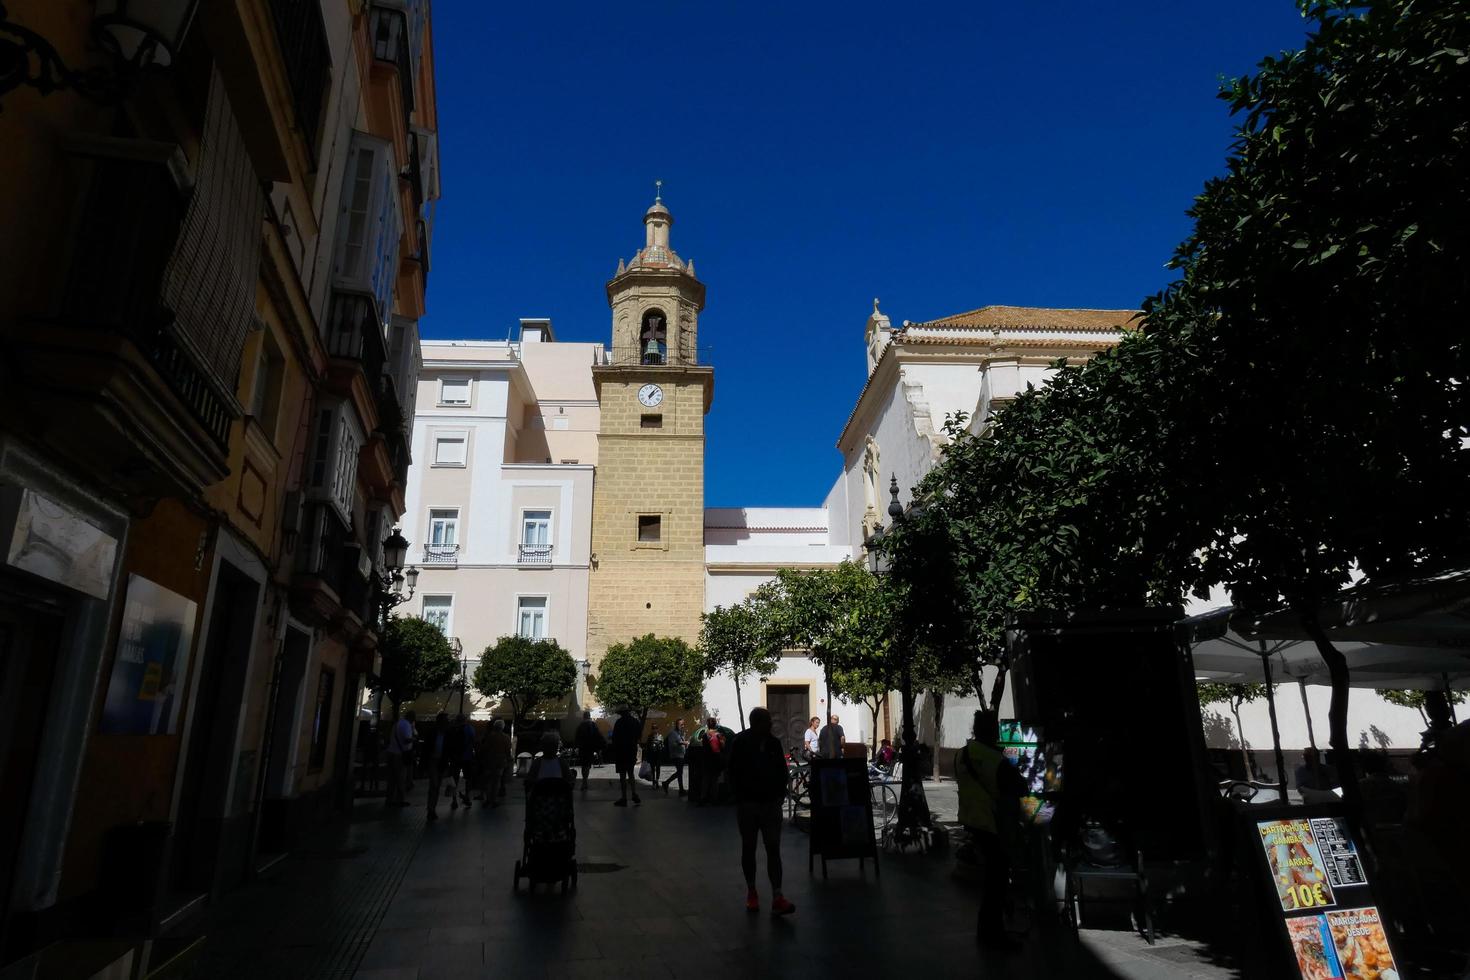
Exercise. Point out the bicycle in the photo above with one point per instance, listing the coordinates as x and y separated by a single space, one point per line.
799 795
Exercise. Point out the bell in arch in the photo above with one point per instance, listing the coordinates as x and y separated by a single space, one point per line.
651 352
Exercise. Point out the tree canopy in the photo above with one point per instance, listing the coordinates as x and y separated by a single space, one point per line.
526 672
647 672
739 640
416 658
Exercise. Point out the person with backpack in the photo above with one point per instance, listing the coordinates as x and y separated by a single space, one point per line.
653 754
758 779
990 788
589 742
711 740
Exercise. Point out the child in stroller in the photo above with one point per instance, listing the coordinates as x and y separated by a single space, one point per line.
550 841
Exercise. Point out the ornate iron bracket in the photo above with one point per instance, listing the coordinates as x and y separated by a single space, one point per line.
27 58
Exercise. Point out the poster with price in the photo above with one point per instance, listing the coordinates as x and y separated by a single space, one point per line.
1315 884
1297 868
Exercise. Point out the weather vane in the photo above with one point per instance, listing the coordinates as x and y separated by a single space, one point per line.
658 192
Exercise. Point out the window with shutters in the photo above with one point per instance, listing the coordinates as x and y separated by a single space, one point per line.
369 225
336 441
454 391
449 449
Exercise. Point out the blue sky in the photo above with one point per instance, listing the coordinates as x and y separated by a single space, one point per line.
941 156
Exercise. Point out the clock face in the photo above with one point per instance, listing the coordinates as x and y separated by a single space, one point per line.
650 396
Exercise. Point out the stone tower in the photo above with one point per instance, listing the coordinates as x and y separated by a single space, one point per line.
648 499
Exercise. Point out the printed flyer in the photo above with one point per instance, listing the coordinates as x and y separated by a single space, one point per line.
1311 940
1361 945
1297 868
1344 866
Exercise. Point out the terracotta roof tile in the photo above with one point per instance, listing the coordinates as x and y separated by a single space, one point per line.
1037 318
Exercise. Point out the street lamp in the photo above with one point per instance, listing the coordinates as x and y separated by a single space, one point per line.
914 822
137 34
390 583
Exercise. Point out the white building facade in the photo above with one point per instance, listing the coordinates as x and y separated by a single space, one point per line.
499 507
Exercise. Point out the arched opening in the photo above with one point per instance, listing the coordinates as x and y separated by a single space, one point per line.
653 337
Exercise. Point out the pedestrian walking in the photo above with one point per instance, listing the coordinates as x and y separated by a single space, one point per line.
459 760
625 734
758 778
653 753
589 742
497 757
440 750
989 787
400 758
676 745
832 739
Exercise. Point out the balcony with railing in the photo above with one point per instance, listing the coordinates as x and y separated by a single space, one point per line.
303 40
122 372
355 339
534 554
441 555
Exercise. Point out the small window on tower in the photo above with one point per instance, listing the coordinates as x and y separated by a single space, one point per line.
653 421
650 528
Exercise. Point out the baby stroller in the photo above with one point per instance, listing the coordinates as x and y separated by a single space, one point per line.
550 852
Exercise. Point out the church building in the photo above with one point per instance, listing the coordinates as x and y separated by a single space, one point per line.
561 486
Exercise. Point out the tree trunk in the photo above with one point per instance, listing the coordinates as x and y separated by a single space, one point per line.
1337 727
875 706
827 679
998 689
938 697
739 704
1245 752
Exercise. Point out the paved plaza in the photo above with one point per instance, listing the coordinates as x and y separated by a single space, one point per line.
394 897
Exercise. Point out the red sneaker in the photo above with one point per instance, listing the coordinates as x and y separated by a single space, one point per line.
752 901
782 906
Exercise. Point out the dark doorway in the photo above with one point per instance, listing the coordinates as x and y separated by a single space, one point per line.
789 705
28 651
204 832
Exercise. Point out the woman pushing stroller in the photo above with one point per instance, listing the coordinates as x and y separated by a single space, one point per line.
550 840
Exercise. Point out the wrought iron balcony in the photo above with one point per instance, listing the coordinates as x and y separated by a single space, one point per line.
390 44
127 231
441 554
354 333
535 554
303 40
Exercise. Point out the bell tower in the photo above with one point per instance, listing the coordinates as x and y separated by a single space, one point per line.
653 393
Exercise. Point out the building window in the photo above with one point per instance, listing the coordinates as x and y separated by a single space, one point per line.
265 397
335 446
650 528
321 719
443 527
439 609
368 234
536 528
652 421
454 391
653 338
532 617
449 451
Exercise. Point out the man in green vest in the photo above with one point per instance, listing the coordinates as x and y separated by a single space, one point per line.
989 788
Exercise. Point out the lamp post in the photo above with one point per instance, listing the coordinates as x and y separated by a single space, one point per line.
914 822
136 34
390 583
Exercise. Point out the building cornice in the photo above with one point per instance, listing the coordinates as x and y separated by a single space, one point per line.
765 568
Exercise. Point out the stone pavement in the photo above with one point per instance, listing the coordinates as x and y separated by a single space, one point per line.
395 898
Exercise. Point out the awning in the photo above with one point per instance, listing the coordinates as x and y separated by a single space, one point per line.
1227 650
1427 611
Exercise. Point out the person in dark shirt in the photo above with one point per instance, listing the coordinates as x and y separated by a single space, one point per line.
626 733
589 742
757 772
